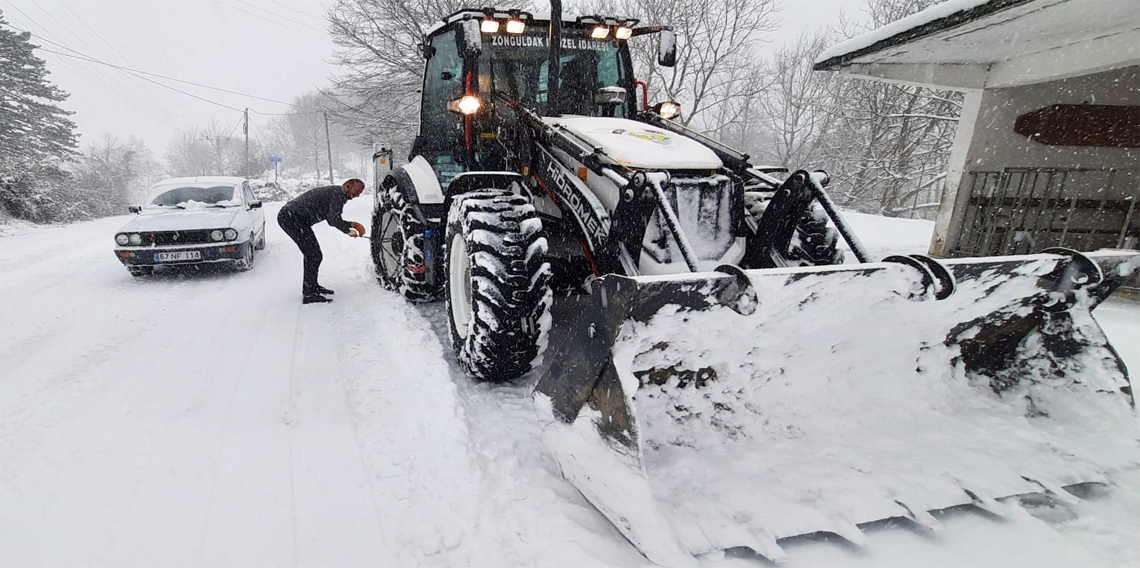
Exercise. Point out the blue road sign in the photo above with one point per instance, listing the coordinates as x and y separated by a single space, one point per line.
274 158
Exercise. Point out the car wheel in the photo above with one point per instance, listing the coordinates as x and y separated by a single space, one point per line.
261 239
247 261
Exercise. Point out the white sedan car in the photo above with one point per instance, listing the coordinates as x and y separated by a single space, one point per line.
193 220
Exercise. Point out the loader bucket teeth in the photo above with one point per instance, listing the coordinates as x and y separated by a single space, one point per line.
736 408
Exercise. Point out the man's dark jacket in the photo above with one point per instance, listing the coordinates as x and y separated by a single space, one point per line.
320 204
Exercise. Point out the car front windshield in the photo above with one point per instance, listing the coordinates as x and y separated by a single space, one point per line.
516 66
188 196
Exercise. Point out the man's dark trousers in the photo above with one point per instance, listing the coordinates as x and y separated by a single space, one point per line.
302 233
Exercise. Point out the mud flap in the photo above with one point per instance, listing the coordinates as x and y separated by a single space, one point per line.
710 411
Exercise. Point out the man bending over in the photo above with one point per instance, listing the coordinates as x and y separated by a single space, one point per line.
297 218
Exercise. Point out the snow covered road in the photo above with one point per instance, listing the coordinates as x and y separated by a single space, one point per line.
208 419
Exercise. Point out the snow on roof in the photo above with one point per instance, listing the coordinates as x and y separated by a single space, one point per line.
933 19
567 17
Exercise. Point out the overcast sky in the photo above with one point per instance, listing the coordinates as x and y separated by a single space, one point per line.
274 49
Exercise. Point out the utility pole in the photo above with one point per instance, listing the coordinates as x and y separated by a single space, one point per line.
328 145
245 128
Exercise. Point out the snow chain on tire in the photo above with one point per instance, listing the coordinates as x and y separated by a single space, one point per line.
405 250
506 285
814 243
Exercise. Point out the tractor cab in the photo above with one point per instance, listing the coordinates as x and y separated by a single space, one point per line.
480 63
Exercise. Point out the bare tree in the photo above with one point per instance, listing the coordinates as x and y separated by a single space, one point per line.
112 173
793 109
718 70
214 148
886 144
379 46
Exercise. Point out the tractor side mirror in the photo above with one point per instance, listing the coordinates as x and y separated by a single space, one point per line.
667 49
134 209
469 38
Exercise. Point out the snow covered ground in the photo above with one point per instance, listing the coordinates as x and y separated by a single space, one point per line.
208 419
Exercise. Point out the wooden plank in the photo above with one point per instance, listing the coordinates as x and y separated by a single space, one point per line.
1099 126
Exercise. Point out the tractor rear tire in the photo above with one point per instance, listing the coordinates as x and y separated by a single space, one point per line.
498 289
397 245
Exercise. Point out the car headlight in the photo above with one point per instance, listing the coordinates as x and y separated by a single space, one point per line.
231 234
216 235
135 239
122 238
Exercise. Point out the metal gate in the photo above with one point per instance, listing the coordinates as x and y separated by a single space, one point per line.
1024 210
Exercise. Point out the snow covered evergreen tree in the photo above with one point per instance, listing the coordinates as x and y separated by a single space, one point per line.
36 135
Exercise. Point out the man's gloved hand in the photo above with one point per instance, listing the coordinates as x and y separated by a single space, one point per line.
357 230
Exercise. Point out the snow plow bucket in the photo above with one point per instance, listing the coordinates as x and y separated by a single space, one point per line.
712 411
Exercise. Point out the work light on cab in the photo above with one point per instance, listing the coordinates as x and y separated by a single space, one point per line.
600 32
468 105
667 109
623 32
490 26
515 26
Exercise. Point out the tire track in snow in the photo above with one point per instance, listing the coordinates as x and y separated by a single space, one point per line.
406 417
527 508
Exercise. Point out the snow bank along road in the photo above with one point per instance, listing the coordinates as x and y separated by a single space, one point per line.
208 419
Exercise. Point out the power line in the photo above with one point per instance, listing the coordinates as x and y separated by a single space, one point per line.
81 55
259 16
283 17
139 74
149 89
292 9
286 113
240 120
125 70
110 86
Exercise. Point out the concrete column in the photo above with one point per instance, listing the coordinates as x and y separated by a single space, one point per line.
948 225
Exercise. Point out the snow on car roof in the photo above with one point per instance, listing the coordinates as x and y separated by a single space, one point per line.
201 180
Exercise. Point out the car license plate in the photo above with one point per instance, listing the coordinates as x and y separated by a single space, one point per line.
176 256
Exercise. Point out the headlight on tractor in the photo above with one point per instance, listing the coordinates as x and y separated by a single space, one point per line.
468 105
515 26
489 26
135 239
667 109
600 31
122 238
231 235
216 235
623 32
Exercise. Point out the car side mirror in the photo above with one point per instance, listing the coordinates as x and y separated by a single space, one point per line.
469 38
255 204
134 209
667 49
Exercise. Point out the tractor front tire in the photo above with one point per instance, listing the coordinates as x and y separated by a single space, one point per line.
397 245
498 284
